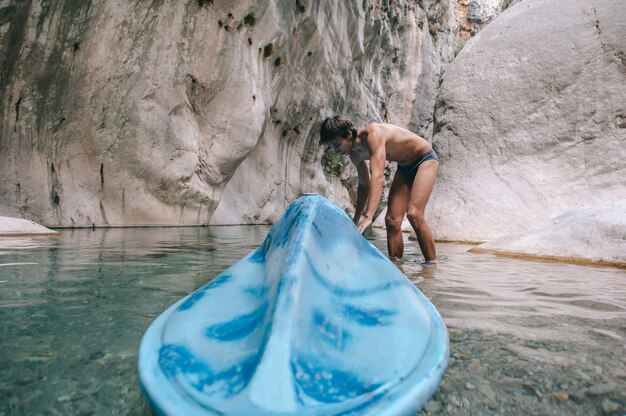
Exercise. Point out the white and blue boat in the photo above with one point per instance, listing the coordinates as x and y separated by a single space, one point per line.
316 321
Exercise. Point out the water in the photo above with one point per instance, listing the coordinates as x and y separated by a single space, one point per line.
526 337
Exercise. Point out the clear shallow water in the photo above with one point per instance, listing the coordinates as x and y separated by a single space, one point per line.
526 337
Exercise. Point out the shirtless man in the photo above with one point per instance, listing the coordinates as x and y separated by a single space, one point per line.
412 184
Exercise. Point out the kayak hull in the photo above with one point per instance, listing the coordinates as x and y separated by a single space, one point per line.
316 321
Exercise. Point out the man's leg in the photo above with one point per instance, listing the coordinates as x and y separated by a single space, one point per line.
396 208
420 192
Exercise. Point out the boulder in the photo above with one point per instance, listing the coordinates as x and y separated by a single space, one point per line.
531 120
592 234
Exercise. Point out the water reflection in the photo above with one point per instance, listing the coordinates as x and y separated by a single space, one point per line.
526 337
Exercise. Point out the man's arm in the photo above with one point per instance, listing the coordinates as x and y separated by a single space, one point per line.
362 191
377 179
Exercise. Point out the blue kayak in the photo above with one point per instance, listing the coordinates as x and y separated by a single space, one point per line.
316 321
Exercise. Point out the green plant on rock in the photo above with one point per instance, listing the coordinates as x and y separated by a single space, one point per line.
459 47
434 34
268 50
249 19
403 26
300 6
332 163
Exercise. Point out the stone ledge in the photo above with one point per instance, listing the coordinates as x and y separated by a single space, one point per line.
594 235
550 259
17 227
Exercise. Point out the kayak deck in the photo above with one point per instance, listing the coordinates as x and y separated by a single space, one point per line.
316 321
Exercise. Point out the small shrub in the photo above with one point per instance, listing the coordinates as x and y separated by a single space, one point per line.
332 163
268 50
300 6
249 19
403 26
459 47
433 32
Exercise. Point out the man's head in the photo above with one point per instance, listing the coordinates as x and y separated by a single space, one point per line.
338 133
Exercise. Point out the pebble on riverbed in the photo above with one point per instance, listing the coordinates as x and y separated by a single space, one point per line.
610 406
432 406
560 396
599 389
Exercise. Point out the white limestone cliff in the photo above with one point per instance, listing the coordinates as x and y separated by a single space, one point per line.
194 112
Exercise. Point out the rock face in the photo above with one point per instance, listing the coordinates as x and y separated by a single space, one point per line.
204 111
476 14
595 234
208 111
530 120
20 227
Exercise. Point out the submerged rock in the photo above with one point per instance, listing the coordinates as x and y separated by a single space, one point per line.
595 234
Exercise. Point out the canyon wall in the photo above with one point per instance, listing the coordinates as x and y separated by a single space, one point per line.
198 112
208 111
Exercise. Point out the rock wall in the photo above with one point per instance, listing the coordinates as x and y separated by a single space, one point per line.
530 119
195 112
208 111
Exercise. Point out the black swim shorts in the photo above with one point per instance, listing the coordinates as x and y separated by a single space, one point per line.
410 170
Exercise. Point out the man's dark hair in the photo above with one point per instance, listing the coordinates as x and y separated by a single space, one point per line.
336 126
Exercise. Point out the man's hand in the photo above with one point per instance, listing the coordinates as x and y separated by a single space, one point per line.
364 225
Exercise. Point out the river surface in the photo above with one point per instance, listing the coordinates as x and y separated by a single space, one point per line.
526 337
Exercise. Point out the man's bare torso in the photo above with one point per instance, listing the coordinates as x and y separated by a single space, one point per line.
401 145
